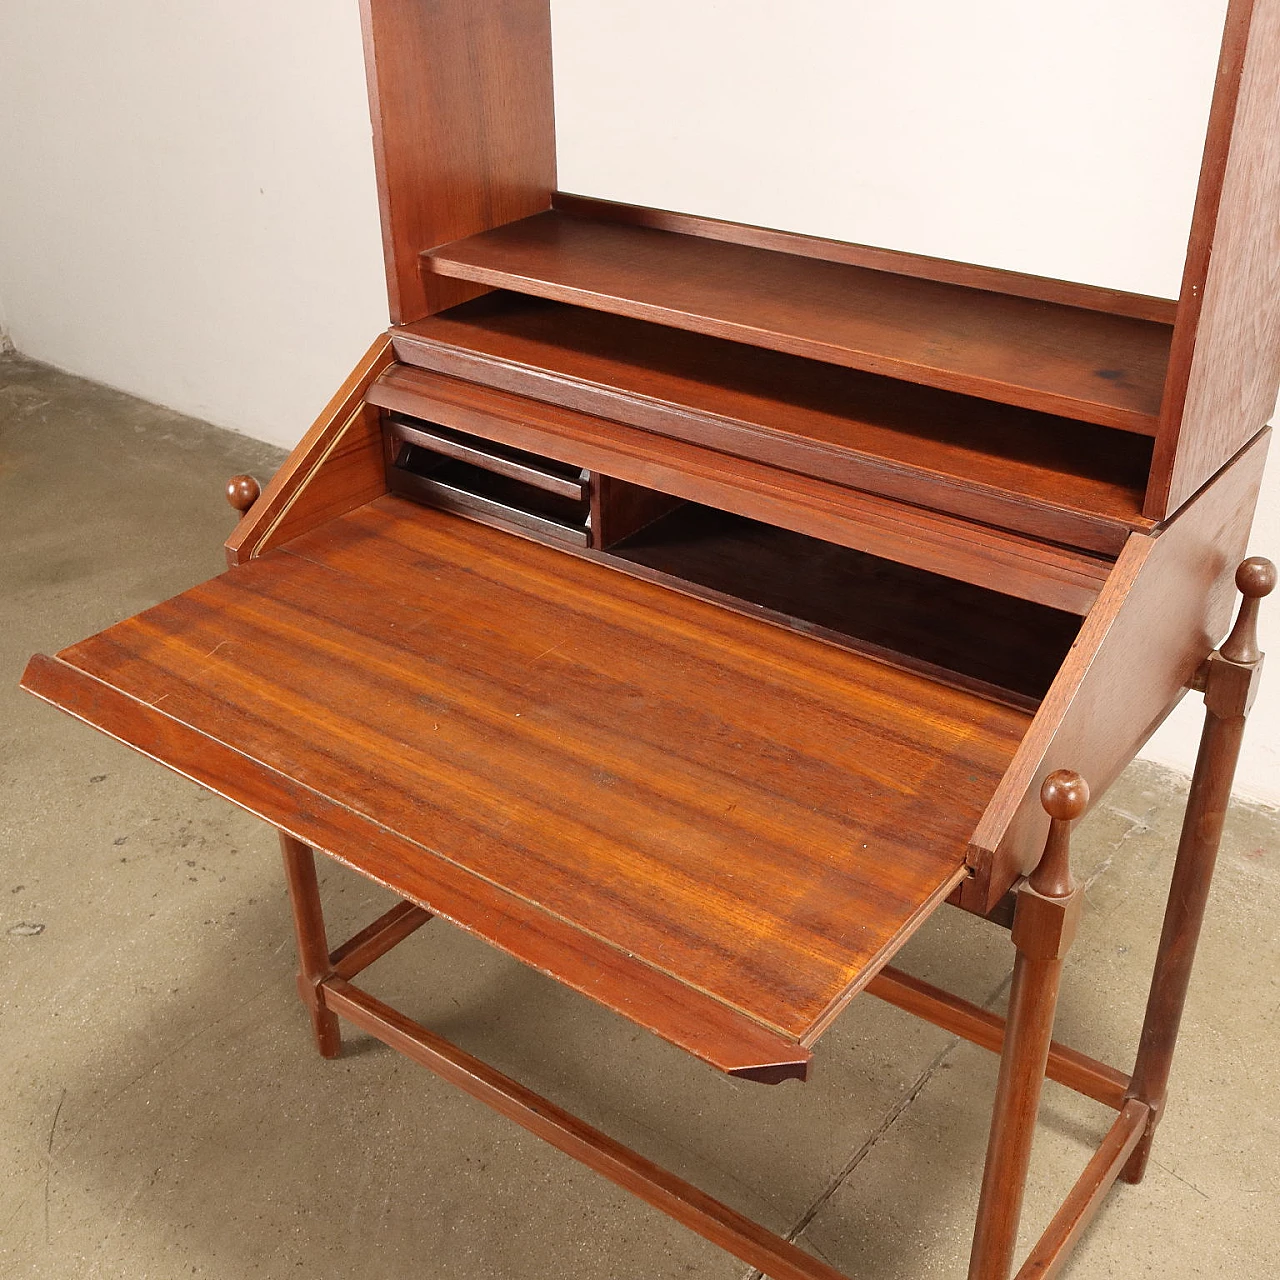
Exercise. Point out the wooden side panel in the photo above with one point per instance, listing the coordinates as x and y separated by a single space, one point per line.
463 130
336 466
1166 605
1225 362
619 509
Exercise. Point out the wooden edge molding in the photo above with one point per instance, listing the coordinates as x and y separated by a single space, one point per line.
719 1035
335 467
1168 601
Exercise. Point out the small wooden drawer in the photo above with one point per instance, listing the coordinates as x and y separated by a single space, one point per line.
516 464
489 482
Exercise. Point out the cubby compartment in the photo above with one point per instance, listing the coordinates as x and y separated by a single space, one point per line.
961 634
487 481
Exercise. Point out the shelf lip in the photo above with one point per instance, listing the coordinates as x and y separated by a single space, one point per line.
835 432
1094 366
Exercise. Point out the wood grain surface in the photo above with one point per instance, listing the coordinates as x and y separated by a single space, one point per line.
463 134
758 816
1166 606
335 467
1068 293
1224 365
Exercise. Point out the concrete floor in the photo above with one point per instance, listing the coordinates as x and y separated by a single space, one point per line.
165 1114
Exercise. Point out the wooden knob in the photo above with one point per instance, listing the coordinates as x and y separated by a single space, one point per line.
1255 578
1065 796
242 492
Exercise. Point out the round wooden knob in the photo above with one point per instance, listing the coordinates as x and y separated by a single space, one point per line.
242 492
1065 795
1256 577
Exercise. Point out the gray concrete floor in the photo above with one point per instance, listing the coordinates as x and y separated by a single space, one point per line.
165 1114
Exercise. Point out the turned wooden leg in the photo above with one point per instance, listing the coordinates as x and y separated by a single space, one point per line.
1044 925
1230 685
313 948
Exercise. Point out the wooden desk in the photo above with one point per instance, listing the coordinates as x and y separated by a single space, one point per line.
689 609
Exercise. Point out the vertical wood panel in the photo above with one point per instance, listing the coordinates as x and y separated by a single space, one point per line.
1225 363
335 467
1167 603
464 138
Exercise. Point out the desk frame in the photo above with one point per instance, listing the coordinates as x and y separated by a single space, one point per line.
1044 915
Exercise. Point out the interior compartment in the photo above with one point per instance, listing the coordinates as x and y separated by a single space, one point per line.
485 494
489 455
1036 473
906 615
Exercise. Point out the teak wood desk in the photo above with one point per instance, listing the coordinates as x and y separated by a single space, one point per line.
690 609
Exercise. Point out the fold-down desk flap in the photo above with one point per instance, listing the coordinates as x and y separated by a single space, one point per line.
716 827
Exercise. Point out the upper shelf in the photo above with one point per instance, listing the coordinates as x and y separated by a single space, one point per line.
1091 365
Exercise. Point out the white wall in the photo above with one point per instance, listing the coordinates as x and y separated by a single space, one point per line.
187 204
187 208
1061 137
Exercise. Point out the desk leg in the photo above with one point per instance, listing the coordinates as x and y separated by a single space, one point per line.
1044 926
1230 686
313 947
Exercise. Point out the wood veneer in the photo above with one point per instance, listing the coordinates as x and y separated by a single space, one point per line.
1067 293
1225 361
1061 577
1007 644
334 468
748 811
463 131
1166 605
720 828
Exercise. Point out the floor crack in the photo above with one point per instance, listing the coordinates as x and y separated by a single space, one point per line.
887 1122
890 1119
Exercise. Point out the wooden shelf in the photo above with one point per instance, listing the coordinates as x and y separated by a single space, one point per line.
1032 472
1090 365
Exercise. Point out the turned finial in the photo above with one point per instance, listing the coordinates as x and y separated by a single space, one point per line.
1065 796
242 492
1255 578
